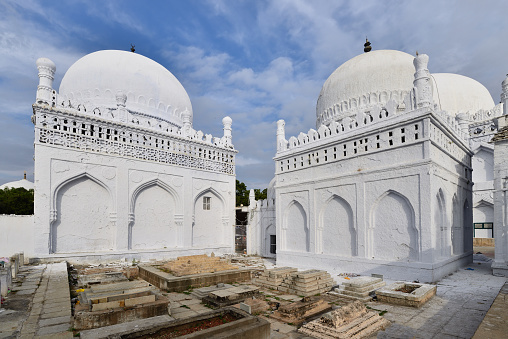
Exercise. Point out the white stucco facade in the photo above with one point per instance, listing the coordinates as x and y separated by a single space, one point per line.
119 170
385 183
261 230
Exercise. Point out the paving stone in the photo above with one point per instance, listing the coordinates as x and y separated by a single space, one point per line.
25 292
53 329
60 335
55 321
190 302
56 314
184 315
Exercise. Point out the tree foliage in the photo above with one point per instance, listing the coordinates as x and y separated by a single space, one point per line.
242 194
16 201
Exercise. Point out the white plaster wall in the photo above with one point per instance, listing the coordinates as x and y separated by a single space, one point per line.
261 224
83 224
484 213
339 234
392 192
207 227
124 180
154 226
297 231
500 264
483 165
394 234
16 235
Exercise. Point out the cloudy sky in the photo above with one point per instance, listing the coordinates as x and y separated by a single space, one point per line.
256 61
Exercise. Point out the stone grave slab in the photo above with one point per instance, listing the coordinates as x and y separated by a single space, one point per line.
406 293
359 288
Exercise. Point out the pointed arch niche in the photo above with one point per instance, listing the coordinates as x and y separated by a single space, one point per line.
443 232
152 217
82 216
393 234
296 229
209 219
457 227
337 228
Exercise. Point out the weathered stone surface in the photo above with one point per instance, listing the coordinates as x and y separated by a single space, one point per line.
299 311
196 264
392 294
350 321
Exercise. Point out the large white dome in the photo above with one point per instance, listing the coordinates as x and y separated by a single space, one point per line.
456 94
364 80
151 89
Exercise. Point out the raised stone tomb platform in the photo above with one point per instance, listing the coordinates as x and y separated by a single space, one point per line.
359 288
289 280
352 321
171 283
231 296
245 326
299 311
406 294
110 304
197 264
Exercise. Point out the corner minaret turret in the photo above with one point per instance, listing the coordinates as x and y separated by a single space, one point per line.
504 95
281 136
227 122
45 93
187 123
421 83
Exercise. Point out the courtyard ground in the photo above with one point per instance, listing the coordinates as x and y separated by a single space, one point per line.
40 307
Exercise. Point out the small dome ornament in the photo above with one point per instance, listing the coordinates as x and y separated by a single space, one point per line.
367 46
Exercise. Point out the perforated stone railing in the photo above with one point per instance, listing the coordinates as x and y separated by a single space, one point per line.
92 134
339 149
146 121
327 145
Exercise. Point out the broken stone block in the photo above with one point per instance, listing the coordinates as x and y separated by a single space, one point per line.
350 321
299 311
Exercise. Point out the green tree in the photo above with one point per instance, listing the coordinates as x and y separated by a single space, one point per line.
16 201
242 194
260 194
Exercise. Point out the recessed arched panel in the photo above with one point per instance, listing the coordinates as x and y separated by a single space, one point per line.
208 228
270 241
443 232
83 218
154 225
468 227
297 230
394 235
339 234
457 227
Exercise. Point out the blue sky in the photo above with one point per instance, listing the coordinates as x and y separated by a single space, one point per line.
256 61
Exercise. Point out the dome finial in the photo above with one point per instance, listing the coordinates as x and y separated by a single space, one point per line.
24 176
367 47
132 48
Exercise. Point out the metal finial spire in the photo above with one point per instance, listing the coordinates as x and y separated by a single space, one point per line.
416 53
132 48
24 176
367 47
